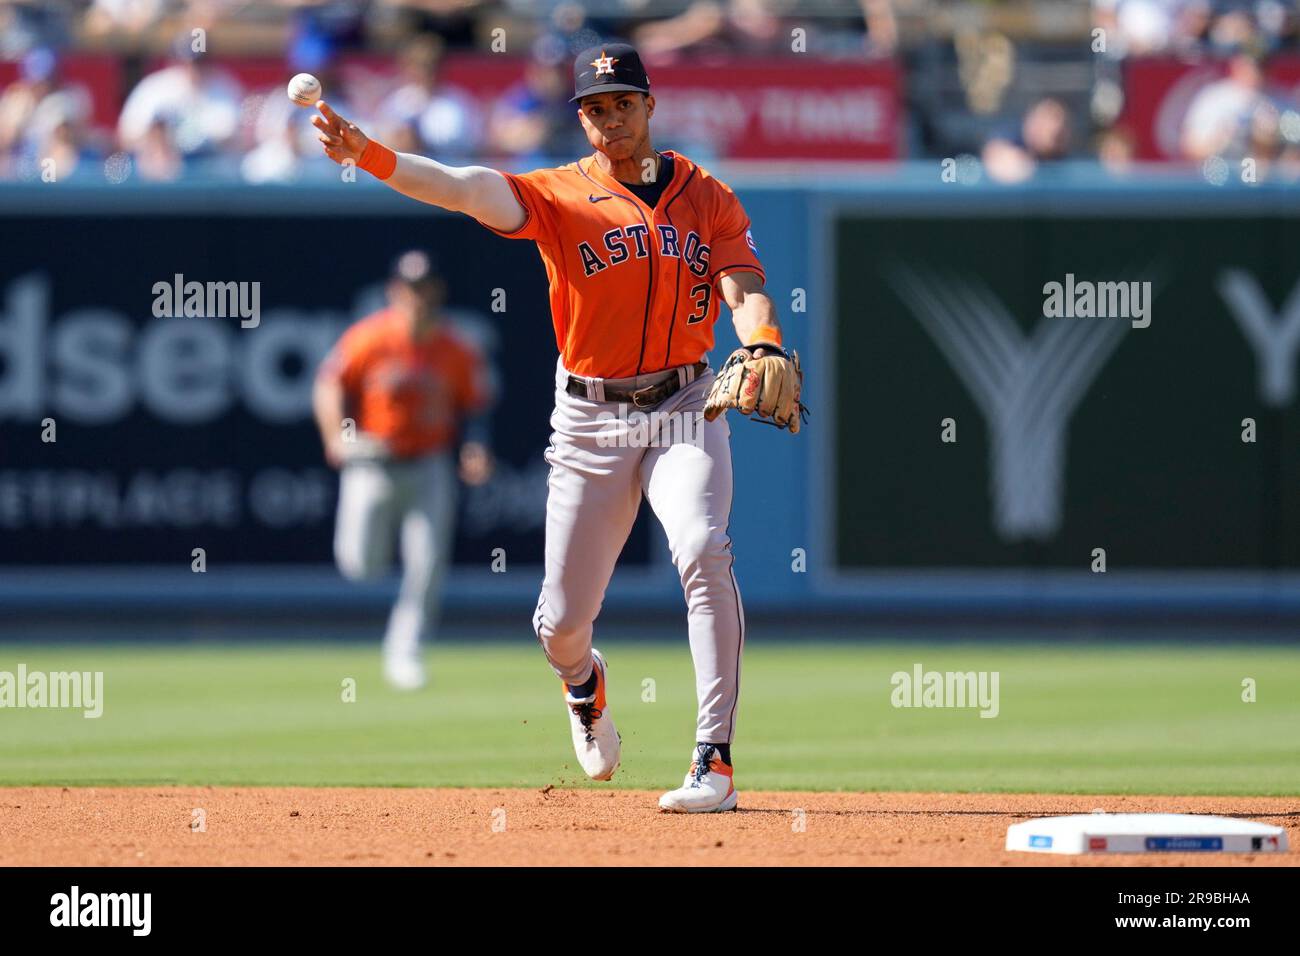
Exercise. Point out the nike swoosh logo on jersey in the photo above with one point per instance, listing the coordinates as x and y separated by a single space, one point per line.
597 198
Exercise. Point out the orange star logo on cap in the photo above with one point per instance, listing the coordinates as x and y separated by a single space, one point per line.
604 64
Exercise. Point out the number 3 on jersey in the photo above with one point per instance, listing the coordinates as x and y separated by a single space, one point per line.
702 296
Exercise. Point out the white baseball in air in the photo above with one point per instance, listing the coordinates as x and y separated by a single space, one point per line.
304 89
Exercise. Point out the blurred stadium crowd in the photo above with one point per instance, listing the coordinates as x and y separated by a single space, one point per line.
194 88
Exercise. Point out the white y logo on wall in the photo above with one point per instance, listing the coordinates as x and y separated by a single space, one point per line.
1273 339
1026 387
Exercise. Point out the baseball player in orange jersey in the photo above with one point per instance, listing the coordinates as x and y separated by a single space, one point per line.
639 246
405 382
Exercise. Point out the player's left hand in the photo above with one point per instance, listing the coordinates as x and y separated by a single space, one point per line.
476 463
763 382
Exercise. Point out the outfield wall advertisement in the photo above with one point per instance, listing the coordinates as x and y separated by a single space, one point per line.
130 437
1066 390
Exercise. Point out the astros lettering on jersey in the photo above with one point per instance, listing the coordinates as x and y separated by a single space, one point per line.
632 289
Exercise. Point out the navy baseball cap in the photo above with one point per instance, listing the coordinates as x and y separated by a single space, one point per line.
608 68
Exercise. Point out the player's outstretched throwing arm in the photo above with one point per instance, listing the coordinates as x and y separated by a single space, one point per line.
475 190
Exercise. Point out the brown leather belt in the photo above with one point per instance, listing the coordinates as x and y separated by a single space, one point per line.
645 397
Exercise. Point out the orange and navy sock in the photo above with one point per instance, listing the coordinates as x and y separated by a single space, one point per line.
586 689
724 750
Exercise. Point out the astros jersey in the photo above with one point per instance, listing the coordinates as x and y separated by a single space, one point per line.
410 393
633 289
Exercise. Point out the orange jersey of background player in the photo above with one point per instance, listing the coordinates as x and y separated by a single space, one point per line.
411 394
633 289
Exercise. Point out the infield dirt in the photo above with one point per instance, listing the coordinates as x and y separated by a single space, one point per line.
153 826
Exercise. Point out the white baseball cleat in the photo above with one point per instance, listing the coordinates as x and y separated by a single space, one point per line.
404 671
708 787
595 739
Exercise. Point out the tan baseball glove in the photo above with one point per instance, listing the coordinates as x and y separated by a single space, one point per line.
766 388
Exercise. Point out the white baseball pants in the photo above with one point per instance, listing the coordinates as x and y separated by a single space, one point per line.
602 462
377 500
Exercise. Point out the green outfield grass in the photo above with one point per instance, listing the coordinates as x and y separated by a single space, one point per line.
1072 719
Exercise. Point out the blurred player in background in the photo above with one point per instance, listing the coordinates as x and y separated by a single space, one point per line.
390 400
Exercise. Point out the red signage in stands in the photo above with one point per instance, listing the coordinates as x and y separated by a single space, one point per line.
1158 93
